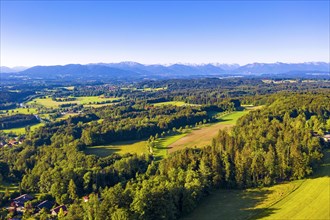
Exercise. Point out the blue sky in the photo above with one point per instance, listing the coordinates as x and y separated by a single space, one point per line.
62 32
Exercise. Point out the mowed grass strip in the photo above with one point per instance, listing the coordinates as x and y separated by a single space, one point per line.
135 146
300 199
310 201
162 147
202 136
122 147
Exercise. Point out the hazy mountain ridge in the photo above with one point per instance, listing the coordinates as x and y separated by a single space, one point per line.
137 70
4 69
277 68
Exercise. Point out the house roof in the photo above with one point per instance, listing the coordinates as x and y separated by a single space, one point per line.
45 204
19 201
24 197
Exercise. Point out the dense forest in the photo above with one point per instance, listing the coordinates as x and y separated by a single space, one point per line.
279 142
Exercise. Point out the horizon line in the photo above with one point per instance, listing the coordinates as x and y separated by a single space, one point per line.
166 64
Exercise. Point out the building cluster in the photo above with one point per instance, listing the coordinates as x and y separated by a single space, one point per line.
22 203
11 142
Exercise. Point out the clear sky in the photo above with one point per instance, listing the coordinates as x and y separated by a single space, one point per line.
62 32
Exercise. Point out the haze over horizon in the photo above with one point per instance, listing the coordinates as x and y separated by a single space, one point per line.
59 33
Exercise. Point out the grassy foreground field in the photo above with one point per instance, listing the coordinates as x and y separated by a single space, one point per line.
301 199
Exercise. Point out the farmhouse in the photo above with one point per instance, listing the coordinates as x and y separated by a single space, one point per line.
13 142
86 198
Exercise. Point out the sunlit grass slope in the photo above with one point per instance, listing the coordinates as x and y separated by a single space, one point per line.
301 199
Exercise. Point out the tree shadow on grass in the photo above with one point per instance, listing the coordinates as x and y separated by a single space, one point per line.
222 120
159 144
324 169
246 204
232 204
101 151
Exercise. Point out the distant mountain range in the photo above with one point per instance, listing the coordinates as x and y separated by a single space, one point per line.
4 69
133 70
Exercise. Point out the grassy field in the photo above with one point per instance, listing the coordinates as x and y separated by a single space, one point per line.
153 89
21 130
171 143
19 111
301 199
161 149
85 100
202 136
123 147
66 116
175 103
138 147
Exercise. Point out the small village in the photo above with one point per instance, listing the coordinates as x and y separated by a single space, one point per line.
23 203
11 142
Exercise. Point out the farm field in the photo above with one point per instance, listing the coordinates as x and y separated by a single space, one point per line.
153 89
301 199
21 130
85 100
19 111
139 147
201 137
175 103
171 143
66 116
147 89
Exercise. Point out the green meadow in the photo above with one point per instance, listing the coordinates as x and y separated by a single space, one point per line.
19 111
84 100
192 137
21 130
174 103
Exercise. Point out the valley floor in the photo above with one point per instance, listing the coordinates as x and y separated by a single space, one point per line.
200 136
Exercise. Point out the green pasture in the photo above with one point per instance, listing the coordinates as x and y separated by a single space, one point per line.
21 130
85 100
